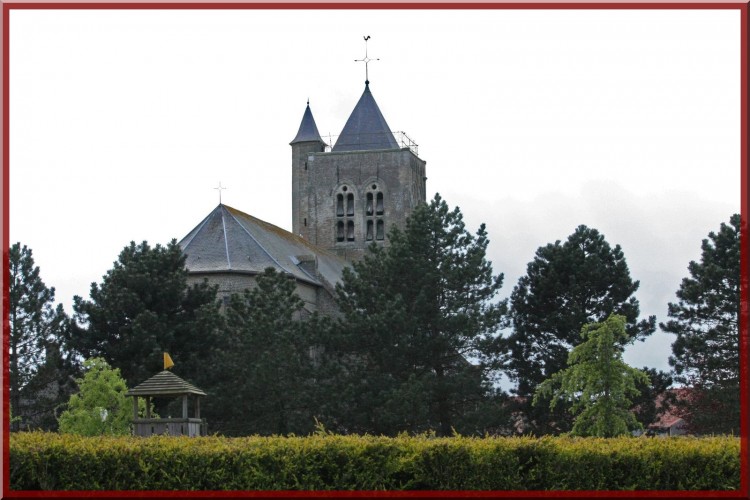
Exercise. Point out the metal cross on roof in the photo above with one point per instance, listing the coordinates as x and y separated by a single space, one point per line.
366 60
220 189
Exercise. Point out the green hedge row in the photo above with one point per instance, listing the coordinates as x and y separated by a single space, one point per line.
327 462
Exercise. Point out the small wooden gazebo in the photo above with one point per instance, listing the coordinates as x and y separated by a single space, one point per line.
167 384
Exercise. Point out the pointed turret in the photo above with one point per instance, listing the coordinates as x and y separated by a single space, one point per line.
308 131
305 144
366 129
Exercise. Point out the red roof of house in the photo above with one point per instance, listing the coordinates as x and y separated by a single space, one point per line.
668 419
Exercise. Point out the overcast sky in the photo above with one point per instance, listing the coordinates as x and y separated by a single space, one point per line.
123 122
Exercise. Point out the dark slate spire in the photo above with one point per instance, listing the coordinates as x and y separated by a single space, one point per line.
308 131
366 128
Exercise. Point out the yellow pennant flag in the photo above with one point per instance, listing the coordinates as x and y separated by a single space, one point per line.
168 363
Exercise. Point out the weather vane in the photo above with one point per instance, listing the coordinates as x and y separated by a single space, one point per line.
220 189
366 60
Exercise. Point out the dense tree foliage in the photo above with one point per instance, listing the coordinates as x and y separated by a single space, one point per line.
705 354
39 370
645 406
264 378
567 286
597 382
144 307
418 329
100 407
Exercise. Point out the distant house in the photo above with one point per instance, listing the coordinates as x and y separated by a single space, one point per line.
670 422
668 425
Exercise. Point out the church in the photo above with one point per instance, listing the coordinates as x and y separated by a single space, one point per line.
344 198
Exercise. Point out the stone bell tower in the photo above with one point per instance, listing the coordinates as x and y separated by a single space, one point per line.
345 199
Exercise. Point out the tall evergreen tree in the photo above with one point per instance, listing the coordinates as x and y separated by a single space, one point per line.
419 326
144 307
566 286
705 354
39 369
597 382
265 382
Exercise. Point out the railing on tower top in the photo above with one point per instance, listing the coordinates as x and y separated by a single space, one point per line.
406 142
403 140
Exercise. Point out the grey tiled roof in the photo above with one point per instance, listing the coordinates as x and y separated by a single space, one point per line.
164 383
228 240
308 131
366 128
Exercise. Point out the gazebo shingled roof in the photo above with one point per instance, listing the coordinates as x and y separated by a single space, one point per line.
164 383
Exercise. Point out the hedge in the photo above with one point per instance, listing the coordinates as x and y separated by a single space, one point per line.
48 461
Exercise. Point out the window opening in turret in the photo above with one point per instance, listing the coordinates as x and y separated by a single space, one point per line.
350 230
369 235
340 231
379 206
368 207
350 204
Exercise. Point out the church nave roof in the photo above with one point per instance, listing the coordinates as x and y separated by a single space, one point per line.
229 240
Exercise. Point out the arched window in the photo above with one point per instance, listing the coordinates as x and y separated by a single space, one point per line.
344 206
340 205
374 211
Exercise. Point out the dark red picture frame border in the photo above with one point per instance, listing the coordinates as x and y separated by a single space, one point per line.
744 490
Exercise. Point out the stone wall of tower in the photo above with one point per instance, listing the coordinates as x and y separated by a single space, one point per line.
398 174
301 185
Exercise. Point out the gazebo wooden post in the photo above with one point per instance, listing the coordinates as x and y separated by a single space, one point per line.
184 406
197 407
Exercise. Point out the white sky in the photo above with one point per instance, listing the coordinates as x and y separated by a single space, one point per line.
532 121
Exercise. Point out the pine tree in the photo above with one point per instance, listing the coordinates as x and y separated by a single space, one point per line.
265 381
705 354
597 382
419 326
144 307
566 286
39 369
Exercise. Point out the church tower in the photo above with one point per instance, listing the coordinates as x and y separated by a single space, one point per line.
304 146
345 199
